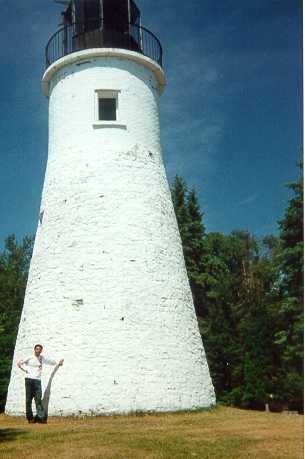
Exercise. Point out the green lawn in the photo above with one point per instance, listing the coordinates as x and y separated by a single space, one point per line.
213 434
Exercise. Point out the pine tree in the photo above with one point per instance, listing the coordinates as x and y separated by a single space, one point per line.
249 301
217 326
14 265
195 250
179 195
192 232
239 326
289 338
255 316
196 231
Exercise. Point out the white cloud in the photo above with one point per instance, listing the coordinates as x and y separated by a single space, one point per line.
248 200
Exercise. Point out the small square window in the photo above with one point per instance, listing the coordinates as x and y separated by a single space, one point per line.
107 109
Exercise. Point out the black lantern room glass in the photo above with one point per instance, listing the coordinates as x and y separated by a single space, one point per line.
115 14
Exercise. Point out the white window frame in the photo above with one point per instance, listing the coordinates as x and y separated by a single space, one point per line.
107 94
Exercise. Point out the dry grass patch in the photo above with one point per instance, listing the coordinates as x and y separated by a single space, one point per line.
220 433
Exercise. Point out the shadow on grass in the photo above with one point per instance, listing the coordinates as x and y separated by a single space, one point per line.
11 434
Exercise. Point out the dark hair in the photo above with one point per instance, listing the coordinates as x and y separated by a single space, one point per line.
38 345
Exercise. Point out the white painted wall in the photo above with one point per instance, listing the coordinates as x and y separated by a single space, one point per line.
108 289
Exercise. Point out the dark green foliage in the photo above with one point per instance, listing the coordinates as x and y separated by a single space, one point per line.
289 337
236 331
192 233
14 265
248 296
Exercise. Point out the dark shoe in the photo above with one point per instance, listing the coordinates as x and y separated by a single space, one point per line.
40 421
31 421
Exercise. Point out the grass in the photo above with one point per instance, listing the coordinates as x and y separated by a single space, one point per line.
220 433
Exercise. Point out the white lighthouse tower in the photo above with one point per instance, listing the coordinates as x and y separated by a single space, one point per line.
108 289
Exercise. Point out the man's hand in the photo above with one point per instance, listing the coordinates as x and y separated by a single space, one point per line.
19 365
61 362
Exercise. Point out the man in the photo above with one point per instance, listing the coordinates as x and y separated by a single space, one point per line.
33 382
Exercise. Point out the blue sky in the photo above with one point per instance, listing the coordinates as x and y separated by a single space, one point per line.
231 115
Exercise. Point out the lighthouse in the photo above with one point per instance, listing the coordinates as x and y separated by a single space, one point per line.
108 289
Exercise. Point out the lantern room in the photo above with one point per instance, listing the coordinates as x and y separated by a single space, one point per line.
102 24
115 14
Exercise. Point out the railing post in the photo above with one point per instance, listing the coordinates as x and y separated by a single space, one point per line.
65 40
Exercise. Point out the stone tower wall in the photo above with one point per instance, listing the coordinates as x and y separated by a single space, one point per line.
108 289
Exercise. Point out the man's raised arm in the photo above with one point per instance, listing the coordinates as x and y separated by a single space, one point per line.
48 361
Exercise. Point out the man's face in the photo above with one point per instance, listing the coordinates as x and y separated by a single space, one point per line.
37 350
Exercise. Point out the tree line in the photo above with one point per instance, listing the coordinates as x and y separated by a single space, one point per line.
248 296
14 267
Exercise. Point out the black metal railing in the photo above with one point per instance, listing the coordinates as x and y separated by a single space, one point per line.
95 34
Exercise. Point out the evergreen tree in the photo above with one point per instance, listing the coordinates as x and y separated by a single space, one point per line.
192 233
217 325
196 232
14 265
289 338
194 251
179 195
249 301
239 326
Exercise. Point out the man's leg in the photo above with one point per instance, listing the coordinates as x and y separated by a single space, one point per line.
40 414
28 399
